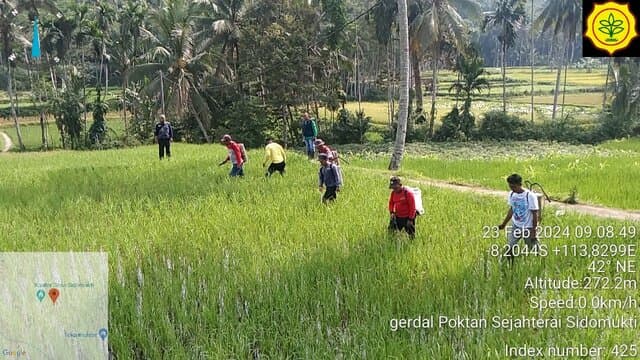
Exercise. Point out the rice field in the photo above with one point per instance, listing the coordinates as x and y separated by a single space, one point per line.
206 267
599 174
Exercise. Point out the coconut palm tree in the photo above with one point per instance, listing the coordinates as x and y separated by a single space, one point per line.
471 70
401 131
126 44
223 19
8 13
431 23
441 22
471 80
507 18
177 59
105 16
563 18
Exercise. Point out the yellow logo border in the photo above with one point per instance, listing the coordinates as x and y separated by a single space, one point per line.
591 29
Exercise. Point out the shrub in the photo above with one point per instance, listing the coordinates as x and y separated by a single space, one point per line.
348 128
455 126
141 125
567 130
374 137
375 94
246 120
498 125
98 129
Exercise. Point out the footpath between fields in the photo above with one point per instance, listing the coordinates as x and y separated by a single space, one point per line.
584 209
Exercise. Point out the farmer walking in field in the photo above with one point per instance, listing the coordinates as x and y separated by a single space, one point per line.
275 156
329 177
523 211
323 148
402 208
235 156
309 133
164 136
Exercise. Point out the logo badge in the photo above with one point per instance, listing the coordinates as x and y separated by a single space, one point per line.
611 27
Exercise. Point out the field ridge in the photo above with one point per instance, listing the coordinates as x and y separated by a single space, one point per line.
583 209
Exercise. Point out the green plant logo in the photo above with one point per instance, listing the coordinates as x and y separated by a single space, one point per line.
611 26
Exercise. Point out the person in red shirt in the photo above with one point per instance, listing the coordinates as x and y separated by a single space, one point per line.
402 207
235 156
323 148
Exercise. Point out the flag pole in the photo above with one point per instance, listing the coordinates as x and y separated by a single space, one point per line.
36 54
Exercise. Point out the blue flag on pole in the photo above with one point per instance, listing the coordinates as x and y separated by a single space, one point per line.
35 45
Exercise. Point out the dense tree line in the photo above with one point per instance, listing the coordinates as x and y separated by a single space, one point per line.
251 66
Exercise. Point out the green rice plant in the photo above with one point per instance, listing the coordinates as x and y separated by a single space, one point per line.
203 266
602 175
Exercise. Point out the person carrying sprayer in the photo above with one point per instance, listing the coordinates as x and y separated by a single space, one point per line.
523 213
236 156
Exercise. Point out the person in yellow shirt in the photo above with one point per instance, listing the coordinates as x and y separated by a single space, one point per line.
275 156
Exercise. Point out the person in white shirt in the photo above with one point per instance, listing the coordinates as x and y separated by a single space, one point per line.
523 212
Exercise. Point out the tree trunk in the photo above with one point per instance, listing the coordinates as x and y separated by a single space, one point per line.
417 83
401 131
504 77
125 84
557 89
564 89
291 129
458 90
201 125
14 115
43 128
606 84
389 88
84 89
532 57
106 80
434 88
285 128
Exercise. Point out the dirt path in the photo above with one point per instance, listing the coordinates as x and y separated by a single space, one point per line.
584 209
8 144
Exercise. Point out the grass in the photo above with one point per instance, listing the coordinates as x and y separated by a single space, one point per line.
576 107
601 176
202 266
589 99
583 98
632 144
32 133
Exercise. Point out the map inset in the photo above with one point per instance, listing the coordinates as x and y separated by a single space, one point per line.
54 305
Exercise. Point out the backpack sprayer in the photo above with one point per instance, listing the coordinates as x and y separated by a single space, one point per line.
539 196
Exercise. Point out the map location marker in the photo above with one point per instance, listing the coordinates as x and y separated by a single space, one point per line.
53 294
103 334
40 295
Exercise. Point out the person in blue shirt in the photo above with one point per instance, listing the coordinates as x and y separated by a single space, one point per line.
164 136
329 177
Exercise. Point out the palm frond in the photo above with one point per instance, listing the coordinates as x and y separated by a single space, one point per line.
151 71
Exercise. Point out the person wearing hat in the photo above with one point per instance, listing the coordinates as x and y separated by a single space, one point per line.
275 156
235 156
322 147
329 177
164 136
325 149
402 208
